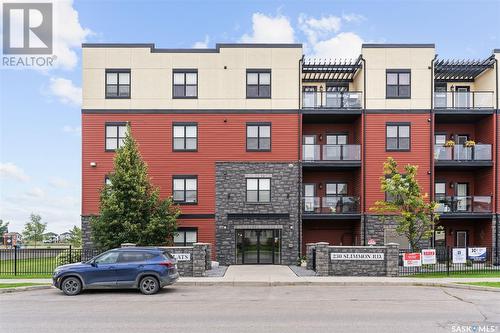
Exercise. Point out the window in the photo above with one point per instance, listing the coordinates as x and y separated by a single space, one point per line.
115 135
107 181
118 83
186 236
398 137
336 189
259 137
336 139
134 256
185 189
398 84
439 139
185 83
258 190
440 189
258 83
185 136
107 258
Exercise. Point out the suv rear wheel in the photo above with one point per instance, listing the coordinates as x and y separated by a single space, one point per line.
71 286
149 285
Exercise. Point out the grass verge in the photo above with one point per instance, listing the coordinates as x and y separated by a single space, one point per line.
483 284
26 276
486 274
20 284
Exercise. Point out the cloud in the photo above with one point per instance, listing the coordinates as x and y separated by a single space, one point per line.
202 44
12 171
58 182
76 130
353 18
65 91
315 28
35 192
343 45
269 29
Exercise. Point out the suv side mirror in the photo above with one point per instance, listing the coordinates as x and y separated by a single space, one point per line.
93 263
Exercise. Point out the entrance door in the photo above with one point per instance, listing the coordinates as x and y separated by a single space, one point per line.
310 151
461 239
258 247
309 198
462 97
462 192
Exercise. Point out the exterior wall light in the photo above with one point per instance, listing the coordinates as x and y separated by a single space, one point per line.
93 164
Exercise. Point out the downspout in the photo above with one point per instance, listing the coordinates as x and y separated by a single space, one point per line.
431 141
299 128
363 166
497 224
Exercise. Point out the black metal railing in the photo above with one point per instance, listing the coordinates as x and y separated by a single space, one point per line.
478 152
450 261
336 204
464 100
331 100
40 261
463 204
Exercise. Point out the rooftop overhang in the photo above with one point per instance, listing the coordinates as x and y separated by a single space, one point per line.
452 70
330 70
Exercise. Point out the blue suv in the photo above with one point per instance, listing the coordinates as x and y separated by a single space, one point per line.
146 269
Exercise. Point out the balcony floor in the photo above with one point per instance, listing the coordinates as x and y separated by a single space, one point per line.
326 216
330 165
465 215
462 165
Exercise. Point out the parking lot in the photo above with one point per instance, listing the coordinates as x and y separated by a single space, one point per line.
251 309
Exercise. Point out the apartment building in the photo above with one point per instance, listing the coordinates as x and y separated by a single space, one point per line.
265 150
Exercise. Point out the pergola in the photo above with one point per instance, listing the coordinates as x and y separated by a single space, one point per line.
323 70
454 70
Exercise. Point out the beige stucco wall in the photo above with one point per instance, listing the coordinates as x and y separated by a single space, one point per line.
218 88
418 60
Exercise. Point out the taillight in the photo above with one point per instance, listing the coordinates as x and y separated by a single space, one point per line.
167 264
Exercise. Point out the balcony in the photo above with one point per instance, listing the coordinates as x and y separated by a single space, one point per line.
331 155
464 100
459 155
453 206
348 100
331 206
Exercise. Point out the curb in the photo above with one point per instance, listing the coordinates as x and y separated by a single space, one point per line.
26 288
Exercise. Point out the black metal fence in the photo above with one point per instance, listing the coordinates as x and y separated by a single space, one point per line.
450 261
42 261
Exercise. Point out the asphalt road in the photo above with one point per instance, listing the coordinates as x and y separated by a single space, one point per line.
252 309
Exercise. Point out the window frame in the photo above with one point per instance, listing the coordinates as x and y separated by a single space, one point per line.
259 124
398 85
184 124
184 177
115 124
336 183
184 230
117 71
398 124
258 190
258 71
184 71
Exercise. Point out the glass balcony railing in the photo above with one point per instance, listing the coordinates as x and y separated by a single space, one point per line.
478 152
330 205
463 204
331 100
464 100
331 152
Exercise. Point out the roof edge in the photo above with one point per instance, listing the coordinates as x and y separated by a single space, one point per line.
496 50
395 46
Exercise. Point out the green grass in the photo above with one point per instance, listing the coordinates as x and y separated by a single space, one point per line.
25 276
483 284
21 284
458 275
37 266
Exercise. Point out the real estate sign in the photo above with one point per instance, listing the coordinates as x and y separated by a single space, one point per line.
477 254
459 256
428 257
412 259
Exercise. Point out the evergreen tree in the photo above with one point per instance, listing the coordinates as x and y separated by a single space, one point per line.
75 236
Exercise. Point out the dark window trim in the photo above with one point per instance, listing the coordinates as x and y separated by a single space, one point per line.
258 71
398 71
258 136
409 136
118 70
336 183
337 134
258 191
185 177
173 137
184 71
184 229
113 123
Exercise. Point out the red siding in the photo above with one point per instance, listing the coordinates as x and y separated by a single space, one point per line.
323 177
333 128
333 232
206 231
376 153
479 231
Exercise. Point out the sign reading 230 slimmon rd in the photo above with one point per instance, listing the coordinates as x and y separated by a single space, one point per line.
356 256
182 256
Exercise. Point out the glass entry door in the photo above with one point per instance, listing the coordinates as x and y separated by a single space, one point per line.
258 246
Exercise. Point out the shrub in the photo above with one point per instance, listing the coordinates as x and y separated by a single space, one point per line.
64 257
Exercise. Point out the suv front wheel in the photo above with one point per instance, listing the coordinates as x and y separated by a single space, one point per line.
71 286
149 285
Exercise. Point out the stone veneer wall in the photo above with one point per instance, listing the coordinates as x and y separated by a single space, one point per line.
376 225
199 259
86 234
281 213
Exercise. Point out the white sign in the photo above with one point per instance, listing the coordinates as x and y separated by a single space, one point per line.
459 256
412 259
182 256
428 257
356 256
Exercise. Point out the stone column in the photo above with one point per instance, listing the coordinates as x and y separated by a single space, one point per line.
309 255
208 256
392 259
199 259
322 259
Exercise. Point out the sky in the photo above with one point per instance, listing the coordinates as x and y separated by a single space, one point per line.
40 115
